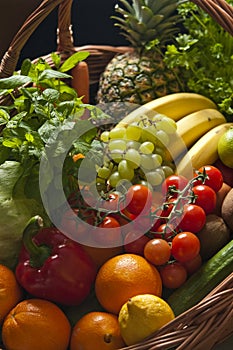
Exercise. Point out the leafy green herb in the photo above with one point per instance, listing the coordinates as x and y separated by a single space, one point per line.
205 52
44 105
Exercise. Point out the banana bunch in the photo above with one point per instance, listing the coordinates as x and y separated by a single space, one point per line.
199 127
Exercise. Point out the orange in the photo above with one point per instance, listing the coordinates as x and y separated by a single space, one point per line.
101 255
97 331
123 277
36 324
10 291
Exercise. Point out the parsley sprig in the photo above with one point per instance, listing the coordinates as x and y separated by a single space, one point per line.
204 52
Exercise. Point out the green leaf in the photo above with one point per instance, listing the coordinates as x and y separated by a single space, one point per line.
4 116
14 81
73 60
53 74
50 95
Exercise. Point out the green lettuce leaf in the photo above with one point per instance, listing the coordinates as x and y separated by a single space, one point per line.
16 209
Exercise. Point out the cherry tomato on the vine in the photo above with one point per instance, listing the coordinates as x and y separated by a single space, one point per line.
73 223
214 177
185 246
173 275
193 218
179 182
157 251
111 236
165 231
205 198
138 198
110 203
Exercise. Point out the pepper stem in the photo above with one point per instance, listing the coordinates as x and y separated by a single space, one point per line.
38 254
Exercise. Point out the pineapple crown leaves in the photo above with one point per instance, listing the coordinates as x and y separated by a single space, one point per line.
147 23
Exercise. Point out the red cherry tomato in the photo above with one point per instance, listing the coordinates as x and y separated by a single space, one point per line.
165 231
193 218
173 275
134 242
73 223
110 203
157 251
185 246
112 234
178 182
206 198
214 177
193 265
138 198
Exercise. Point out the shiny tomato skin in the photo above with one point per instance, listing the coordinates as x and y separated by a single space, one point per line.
173 275
165 231
205 198
178 181
214 177
110 203
138 199
157 251
112 235
193 218
185 246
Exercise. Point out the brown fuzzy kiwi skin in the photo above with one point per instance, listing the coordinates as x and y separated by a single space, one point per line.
227 209
214 235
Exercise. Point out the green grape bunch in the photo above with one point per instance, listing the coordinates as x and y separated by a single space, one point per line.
136 153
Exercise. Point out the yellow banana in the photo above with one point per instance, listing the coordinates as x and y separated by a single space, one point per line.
191 127
204 151
174 106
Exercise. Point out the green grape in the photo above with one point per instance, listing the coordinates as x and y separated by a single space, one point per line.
147 162
163 138
133 132
145 183
167 170
157 160
146 147
100 180
158 117
123 185
160 172
117 133
116 155
125 171
133 144
164 153
133 157
103 172
154 178
114 179
117 144
104 136
167 124
149 134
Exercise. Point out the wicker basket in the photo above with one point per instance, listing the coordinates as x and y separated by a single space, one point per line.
211 321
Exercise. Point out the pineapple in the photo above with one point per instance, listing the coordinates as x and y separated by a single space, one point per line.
140 75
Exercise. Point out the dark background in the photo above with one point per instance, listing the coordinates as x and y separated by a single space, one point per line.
91 24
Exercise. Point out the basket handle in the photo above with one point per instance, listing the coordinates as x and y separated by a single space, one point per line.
64 33
220 11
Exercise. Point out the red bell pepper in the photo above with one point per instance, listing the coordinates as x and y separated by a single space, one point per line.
52 266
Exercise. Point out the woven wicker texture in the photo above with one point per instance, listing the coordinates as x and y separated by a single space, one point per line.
99 56
211 321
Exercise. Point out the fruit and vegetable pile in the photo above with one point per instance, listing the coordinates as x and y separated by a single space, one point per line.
110 229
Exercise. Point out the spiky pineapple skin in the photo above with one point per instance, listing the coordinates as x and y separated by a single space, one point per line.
137 78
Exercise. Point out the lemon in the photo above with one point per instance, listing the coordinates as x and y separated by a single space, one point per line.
142 315
225 148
